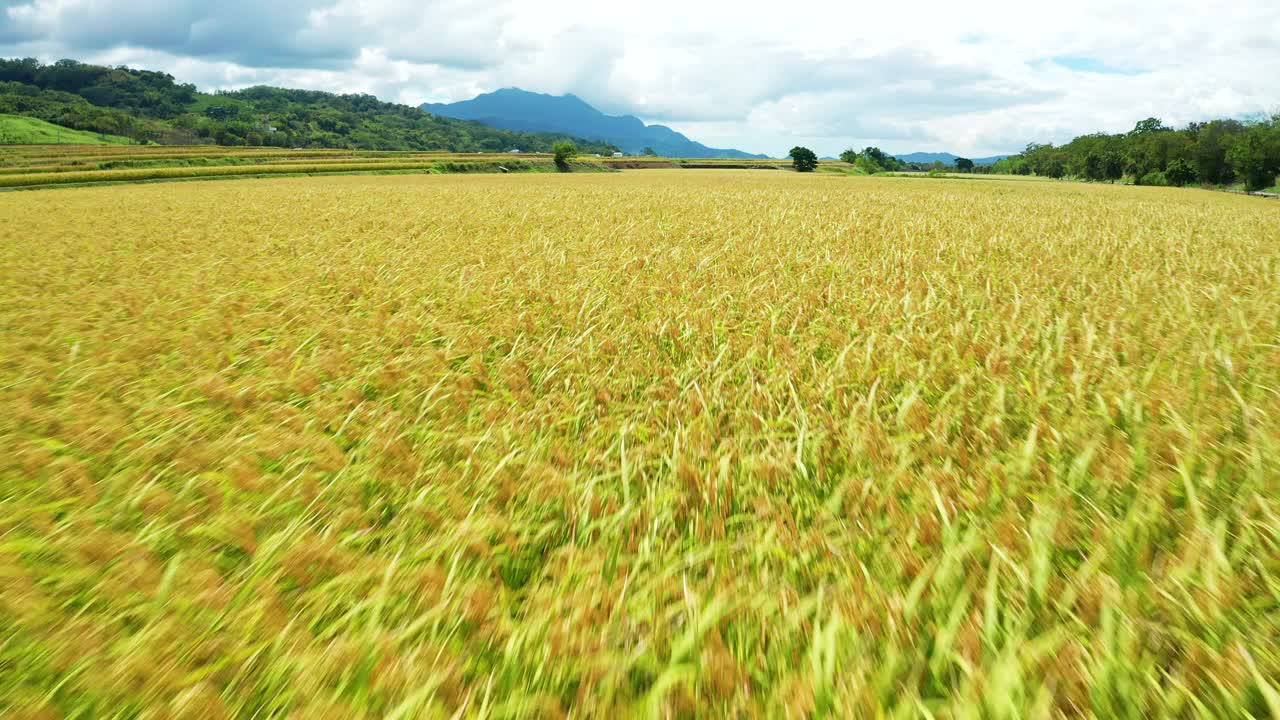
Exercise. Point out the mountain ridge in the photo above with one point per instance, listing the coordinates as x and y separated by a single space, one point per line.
947 158
512 108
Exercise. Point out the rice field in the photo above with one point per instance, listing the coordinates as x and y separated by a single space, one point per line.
659 444
24 167
43 166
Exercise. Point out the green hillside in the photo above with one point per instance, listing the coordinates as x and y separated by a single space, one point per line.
18 130
153 107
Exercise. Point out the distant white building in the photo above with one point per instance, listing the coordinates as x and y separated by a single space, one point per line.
514 151
618 154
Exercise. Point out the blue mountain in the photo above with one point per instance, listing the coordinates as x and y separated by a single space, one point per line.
946 158
516 109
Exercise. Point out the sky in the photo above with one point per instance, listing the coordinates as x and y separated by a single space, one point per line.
976 78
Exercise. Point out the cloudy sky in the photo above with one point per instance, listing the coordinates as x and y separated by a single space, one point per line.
973 78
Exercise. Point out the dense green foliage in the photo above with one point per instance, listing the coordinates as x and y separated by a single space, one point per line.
72 111
873 160
143 92
1218 152
16 129
565 151
803 159
153 107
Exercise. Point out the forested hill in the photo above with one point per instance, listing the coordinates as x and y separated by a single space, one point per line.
151 106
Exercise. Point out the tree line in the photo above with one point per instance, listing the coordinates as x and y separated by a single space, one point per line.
871 160
152 106
1218 152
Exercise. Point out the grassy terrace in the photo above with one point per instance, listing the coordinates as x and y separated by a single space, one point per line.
46 166
50 165
17 129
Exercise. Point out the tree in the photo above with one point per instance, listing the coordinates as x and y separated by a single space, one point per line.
873 160
1112 165
850 156
1213 140
803 159
649 152
1045 160
1180 172
564 152
877 156
1149 126
1256 156
1094 168
1152 150
964 165
867 165
219 112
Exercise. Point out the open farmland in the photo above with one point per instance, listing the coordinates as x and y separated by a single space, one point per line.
724 443
40 166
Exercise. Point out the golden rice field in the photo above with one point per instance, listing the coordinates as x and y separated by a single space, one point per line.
665 444
42 166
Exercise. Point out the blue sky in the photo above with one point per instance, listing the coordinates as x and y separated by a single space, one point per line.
1093 65
976 79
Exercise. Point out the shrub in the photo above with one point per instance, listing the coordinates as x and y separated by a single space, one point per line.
867 165
564 152
1180 172
1154 178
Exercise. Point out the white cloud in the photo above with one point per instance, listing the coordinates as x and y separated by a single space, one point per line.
972 78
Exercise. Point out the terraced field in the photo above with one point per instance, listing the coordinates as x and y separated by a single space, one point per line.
35 166
699 443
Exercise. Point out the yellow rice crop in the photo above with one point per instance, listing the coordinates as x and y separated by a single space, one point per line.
674 443
28 179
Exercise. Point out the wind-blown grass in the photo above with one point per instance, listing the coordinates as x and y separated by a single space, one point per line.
713 443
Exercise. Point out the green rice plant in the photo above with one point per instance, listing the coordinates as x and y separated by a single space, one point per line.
670 444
